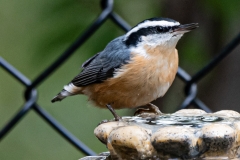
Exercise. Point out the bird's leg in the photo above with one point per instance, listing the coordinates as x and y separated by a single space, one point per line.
151 111
117 117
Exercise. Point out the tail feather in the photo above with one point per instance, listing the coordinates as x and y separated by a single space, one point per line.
69 90
60 96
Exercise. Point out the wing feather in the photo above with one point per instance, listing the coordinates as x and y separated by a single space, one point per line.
102 65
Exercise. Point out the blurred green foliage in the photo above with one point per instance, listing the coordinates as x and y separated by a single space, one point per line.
34 33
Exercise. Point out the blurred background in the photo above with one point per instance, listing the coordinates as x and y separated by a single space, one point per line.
34 33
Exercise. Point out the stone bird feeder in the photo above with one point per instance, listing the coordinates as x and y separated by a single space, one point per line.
185 134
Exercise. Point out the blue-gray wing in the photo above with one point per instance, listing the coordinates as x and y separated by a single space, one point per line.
102 65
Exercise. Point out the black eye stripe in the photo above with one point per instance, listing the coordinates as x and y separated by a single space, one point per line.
135 37
162 29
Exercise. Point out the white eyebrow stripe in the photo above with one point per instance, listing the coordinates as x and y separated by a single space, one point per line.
151 23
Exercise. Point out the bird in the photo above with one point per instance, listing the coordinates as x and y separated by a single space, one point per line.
133 69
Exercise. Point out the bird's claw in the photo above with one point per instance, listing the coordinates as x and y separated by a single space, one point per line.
116 119
151 111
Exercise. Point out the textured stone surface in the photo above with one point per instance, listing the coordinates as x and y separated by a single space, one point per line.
185 134
177 141
133 140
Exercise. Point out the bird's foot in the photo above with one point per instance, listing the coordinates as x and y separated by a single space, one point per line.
104 121
117 117
151 111
112 120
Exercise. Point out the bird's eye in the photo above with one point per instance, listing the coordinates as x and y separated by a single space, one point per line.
160 29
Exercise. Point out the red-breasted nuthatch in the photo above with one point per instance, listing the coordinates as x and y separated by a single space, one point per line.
133 69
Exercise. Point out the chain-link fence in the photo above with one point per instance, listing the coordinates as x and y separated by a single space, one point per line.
107 13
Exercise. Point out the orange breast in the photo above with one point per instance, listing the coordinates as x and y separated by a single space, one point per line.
137 83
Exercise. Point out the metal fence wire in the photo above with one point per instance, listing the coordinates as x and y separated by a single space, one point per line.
107 13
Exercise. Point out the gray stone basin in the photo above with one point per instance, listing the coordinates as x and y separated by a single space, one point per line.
185 134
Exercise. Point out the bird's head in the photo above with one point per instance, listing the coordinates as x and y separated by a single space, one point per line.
157 32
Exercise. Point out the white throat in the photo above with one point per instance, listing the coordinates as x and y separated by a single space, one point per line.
164 41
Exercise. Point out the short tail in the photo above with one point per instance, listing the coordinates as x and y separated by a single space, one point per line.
69 90
60 96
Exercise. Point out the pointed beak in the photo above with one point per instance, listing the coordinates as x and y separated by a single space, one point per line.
181 29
